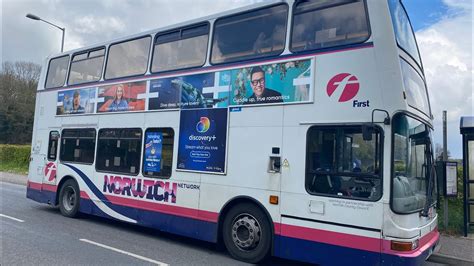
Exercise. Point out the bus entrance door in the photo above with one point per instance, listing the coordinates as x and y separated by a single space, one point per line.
42 167
323 213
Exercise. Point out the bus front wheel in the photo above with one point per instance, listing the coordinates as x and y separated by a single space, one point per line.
69 197
247 233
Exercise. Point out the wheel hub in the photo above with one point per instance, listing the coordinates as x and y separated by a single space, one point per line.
69 199
246 232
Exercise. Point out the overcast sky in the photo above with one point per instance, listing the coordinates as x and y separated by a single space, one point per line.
443 29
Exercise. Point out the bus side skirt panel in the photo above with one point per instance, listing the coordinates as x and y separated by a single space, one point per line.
183 226
322 253
40 193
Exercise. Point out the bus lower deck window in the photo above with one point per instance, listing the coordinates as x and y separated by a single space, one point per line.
342 164
119 150
78 145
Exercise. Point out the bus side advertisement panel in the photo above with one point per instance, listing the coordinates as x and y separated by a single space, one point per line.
78 101
122 97
206 90
283 82
286 82
203 140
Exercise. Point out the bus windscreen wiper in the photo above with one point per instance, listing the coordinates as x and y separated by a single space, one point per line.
430 173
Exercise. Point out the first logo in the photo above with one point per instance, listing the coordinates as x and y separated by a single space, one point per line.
346 84
50 171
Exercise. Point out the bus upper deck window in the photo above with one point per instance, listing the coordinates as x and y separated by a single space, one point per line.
57 71
86 67
181 48
128 58
403 30
323 24
250 35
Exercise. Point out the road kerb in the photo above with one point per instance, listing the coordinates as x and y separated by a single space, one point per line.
450 260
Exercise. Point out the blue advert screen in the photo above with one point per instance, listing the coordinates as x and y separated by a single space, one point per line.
153 149
202 140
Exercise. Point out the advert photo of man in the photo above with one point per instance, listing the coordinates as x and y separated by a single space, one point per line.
261 94
76 103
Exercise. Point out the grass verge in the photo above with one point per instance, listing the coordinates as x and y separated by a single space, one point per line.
13 168
455 216
14 158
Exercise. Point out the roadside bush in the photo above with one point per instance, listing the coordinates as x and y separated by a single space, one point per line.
14 157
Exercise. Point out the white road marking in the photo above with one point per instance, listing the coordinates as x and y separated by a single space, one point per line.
12 218
124 252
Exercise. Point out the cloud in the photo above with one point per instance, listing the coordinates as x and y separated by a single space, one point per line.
88 22
96 25
462 4
446 50
446 46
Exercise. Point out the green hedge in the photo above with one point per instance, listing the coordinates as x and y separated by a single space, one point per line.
14 157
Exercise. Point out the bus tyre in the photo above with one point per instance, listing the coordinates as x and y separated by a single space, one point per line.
69 197
247 233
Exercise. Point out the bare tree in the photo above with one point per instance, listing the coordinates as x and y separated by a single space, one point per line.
18 83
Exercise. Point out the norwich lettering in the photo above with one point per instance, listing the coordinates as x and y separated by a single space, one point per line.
141 188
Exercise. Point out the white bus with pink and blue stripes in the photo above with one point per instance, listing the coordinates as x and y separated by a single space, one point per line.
296 129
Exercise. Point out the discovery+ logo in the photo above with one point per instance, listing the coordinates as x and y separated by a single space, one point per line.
346 86
203 125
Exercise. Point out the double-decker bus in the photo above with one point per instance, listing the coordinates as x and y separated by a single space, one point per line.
298 129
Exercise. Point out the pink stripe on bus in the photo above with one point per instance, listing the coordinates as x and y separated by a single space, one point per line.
34 185
168 209
51 188
333 238
426 241
315 235
84 195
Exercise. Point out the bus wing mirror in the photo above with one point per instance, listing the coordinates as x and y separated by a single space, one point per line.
386 120
367 131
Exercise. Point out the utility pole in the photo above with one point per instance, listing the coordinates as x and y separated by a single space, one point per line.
34 17
445 159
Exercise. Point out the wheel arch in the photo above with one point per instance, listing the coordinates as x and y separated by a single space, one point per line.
60 184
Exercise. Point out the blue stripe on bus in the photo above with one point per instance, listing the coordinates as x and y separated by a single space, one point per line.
327 254
189 227
179 225
97 192
284 247
322 253
89 183
44 196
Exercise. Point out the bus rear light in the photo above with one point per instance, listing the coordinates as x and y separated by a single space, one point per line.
404 246
273 199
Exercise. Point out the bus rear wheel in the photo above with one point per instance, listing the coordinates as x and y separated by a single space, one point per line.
247 233
69 197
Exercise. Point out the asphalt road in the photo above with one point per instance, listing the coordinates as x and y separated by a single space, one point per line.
45 237
36 234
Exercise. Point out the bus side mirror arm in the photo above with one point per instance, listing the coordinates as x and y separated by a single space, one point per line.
386 120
